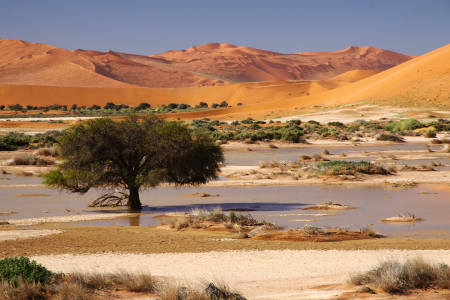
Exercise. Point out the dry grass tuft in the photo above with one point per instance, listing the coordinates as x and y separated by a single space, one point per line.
140 282
312 230
53 152
30 160
21 289
369 232
394 277
198 218
170 290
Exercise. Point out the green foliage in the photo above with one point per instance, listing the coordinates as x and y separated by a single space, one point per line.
13 141
143 105
341 167
14 268
408 124
131 155
390 137
336 124
294 136
296 122
247 121
430 133
313 122
254 127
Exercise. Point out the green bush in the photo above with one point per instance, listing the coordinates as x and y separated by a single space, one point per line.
13 141
390 137
13 268
408 124
294 136
336 124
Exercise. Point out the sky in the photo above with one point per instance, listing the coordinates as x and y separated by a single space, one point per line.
285 26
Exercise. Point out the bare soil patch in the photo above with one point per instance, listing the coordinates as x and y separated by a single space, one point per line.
329 207
30 195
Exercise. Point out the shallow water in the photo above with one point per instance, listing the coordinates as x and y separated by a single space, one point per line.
373 202
252 158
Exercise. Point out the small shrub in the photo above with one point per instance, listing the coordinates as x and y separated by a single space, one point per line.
430 133
311 230
30 160
13 268
394 277
408 124
390 137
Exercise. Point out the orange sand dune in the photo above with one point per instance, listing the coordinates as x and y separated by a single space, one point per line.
25 63
38 64
421 81
244 64
246 93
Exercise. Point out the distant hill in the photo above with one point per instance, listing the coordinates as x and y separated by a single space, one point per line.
24 63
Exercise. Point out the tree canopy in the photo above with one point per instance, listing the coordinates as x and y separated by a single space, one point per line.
131 155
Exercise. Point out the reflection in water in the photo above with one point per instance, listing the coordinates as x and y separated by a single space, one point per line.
135 221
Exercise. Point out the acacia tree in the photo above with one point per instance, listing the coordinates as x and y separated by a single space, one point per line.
133 155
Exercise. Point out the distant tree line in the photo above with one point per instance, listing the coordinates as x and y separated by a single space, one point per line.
117 107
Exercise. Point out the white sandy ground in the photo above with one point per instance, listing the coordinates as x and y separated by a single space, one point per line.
26 234
64 219
286 274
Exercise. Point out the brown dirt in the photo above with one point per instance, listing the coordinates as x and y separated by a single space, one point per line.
82 240
329 207
30 195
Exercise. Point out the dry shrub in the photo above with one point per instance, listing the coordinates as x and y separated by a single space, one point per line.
140 282
415 273
170 290
312 230
440 141
21 289
317 157
369 232
389 137
72 290
430 133
406 168
426 168
53 152
196 218
303 157
30 161
264 164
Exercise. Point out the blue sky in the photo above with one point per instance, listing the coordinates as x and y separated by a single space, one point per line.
150 27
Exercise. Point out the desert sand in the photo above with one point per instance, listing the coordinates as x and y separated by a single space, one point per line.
419 82
28 63
266 274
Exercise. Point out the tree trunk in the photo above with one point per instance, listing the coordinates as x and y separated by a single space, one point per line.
134 202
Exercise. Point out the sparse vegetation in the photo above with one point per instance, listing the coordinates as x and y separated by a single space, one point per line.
390 138
340 167
21 278
202 218
30 160
395 277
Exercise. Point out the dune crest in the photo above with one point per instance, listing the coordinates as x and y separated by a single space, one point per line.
212 64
